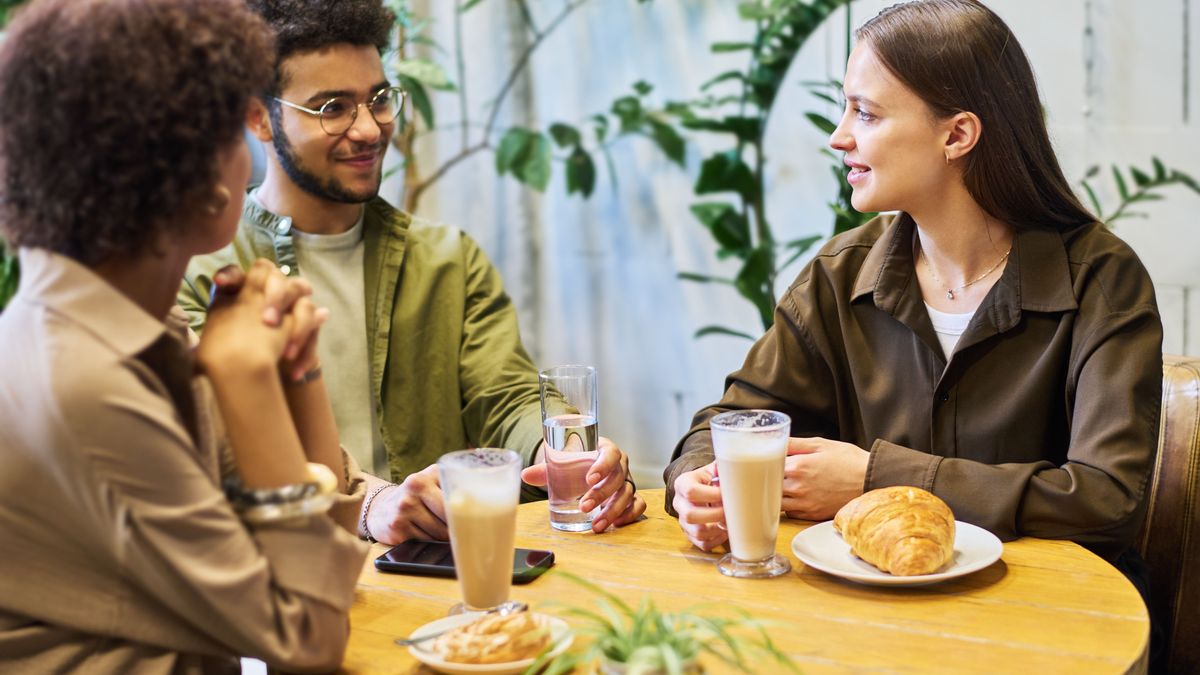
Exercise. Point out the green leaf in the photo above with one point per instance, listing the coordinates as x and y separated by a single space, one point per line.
821 122
746 129
703 278
728 227
827 98
10 275
1139 177
643 87
581 173
1181 177
678 108
1092 171
801 249
723 77
512 144
420 99
726 172
564 135
601 123
628 109
753 11
668 140
1160 171
719 47
753 281
721 330
526 155
468 4
1122 189
425 71
534 169
1091 194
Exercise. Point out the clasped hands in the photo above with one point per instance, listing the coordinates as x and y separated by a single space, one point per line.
819 477
414 509
260 318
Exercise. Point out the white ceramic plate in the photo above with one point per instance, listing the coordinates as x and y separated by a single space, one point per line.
558 629
822 547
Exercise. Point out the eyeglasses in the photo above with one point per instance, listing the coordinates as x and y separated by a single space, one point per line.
338 114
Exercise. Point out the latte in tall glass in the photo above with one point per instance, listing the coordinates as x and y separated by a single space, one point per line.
751 446
482 488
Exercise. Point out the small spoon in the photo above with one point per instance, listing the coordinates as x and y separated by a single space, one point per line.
505 609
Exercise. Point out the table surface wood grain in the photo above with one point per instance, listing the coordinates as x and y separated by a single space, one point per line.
1044 607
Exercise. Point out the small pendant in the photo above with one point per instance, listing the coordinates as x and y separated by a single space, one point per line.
949 294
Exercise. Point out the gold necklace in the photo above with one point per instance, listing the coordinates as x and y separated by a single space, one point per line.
981 277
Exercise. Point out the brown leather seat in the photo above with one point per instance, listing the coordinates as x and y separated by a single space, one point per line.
1170 540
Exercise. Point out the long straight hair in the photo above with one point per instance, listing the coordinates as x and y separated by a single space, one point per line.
958 56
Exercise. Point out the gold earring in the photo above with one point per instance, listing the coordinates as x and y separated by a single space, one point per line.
219 201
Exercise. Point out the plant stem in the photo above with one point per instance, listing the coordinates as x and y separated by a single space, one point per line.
406 140
529 18
416 188
461 65
523 60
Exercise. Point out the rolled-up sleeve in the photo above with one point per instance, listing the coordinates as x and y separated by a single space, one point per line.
279 591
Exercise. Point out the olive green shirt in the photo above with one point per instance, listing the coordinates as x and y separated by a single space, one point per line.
1042 422
448 370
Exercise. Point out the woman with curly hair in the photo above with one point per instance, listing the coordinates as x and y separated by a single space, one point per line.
163 509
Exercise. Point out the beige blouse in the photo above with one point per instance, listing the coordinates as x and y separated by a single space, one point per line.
118 549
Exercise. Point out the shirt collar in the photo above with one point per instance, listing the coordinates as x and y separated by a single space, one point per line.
70 289
1037 277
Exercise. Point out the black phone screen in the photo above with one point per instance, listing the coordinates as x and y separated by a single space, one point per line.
434 558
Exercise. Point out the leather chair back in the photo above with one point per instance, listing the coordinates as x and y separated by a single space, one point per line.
1170 539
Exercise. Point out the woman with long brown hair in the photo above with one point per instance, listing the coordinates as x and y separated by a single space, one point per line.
989 342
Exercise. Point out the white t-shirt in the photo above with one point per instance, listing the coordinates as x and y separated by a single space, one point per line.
949 327
333 264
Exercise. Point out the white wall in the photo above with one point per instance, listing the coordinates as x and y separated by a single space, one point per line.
594 280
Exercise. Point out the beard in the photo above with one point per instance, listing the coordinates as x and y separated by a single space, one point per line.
323 187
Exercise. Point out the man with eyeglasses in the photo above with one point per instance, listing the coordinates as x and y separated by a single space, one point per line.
421 353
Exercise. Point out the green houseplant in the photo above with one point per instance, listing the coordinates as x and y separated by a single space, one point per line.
647 641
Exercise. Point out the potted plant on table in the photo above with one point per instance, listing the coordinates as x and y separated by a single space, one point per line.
646 641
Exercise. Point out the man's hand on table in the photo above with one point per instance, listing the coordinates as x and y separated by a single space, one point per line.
414 509
610 487
698 503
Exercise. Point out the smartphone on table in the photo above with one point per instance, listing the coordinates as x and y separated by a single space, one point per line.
434 558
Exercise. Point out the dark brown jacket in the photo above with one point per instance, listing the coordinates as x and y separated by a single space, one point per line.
1043 422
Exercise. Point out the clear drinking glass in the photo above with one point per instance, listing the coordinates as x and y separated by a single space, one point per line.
751 446
569 429
482 488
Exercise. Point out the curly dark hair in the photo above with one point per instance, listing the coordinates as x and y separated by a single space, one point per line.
112 114
309 25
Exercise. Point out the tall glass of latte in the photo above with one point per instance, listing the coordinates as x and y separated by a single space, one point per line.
482 488
751 446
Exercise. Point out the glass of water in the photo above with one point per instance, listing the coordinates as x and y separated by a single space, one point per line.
569 414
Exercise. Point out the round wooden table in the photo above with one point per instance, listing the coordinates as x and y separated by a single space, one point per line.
1044 607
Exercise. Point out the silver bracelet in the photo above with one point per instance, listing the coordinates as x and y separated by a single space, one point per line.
264 505
367 509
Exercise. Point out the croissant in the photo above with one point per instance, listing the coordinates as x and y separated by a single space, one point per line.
905 531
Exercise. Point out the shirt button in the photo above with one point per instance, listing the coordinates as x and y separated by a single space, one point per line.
286 269
942 398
